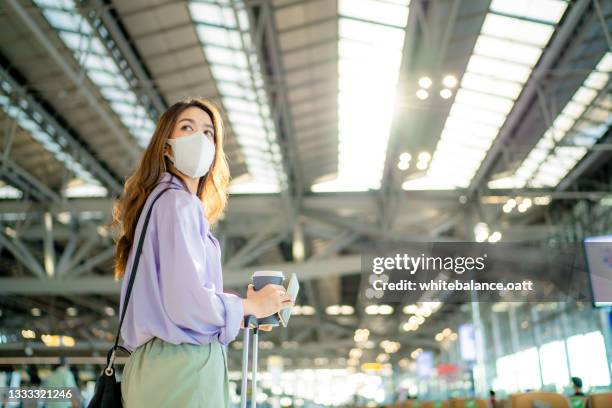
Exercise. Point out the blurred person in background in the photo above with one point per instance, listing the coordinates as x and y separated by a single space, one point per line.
62 377
577 384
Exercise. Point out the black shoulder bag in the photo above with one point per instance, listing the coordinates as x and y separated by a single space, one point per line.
107 393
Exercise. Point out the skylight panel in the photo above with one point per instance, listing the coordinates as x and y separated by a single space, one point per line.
242 119
478 115
95 62
249 132
102 78
234 90
498 69
354 50
353 72
517 29
252 186
585 96
221 37
87 49
565 143
114 94
376 11
81 189
596 80
212 14
226 56
244 106
481 83
471 126
84 43
549 11
473 142
507 50
369 33
66 22
511 42
596 114
9 192
563 123
223 30
230 74
574 109
487 101
366 49
454 148
29 122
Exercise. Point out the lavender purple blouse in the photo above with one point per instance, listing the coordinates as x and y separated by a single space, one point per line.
178 291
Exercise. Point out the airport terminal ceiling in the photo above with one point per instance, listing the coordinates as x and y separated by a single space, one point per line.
350 125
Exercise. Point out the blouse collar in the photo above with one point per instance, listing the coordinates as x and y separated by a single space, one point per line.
174 180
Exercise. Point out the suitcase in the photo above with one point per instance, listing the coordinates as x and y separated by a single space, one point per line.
250 323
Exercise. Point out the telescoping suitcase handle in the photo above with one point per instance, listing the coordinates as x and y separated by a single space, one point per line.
250 322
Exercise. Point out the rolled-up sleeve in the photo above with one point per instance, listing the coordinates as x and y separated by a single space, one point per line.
189 296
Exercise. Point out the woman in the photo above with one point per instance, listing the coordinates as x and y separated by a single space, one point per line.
178 320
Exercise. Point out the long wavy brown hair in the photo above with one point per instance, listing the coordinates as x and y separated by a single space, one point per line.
212 187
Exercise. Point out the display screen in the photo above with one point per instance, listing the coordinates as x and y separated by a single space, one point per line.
598 253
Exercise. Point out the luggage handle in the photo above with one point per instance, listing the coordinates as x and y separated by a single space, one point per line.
250 322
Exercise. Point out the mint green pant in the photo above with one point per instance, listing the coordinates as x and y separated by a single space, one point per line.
162 374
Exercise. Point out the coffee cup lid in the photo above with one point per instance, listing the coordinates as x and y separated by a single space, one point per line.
278 274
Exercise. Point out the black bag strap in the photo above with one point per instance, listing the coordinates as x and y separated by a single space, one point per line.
110 358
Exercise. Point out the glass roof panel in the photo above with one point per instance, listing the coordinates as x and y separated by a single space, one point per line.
87 49
237 73
550 11
375 11
373 34
41 134
546 165
213 14
507 50
226 56
516 29
500 69
484 101
482 83
221 37
366 50
510 44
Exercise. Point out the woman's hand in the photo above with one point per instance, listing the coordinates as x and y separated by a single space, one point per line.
263 327
267 301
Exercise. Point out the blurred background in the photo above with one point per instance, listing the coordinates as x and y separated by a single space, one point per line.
352 125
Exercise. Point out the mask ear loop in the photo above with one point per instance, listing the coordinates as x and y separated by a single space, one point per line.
166 154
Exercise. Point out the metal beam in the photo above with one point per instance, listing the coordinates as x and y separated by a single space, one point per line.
371 229
29 185
48 245
83 251
308 349
62 137
551 55
418 31
66 256
22 254
264 31
261 209
146 89
120 135
257 244
336 266
92 262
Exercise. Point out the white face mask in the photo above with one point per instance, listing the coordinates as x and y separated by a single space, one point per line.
193 154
